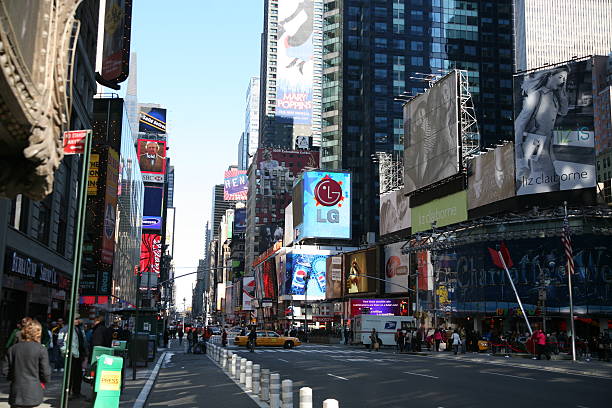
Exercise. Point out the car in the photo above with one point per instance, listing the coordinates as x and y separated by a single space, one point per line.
269 338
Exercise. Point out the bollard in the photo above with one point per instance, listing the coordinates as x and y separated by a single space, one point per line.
256 378
330 403
228 364
287 394
223 358
249 376
264 392
233 366
305 397
243 362
237 369
275 390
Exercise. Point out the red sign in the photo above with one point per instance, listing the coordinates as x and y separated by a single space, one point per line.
328 192
74 141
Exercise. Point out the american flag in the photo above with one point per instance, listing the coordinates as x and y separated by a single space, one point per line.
567 246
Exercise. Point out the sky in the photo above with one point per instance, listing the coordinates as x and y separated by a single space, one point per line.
195 57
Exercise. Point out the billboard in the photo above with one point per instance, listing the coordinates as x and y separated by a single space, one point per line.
491 176
333 283
554 129
152 120
240 220
150 253
116 42
248 292
149 222
444 211
378 307
326 205
431 135
359 266
268 277
303 266
394 212
94 174
294 78
153 199
235 185
289 231
269 234
152 160
396 268
110 206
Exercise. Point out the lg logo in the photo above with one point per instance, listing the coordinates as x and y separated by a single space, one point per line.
328 192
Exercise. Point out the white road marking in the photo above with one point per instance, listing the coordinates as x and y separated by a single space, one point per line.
422 375
508 375
282 359
337 376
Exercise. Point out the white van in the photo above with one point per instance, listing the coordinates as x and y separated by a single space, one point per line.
386 327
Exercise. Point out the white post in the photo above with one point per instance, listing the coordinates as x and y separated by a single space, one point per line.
287 393
233 366
243 362
223 358
305 397
275 390
264 392
249 375
330 403
228 363
518 299
256 378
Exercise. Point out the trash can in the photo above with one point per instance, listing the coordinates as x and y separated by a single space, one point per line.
107 386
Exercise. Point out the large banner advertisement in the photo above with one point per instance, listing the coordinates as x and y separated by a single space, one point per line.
326 205
152 120
236 185
444 211
303 268
294 81
333 285
150 253
110 206
431 135
396 269
554 129
240 220
152 160
394 212
491 176
153 199
269 278
116 42
269 234
377 307
248 293
358 268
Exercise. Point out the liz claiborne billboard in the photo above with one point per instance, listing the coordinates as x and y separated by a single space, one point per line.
444 211
431 139
554 129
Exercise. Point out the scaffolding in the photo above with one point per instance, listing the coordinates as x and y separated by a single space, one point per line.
470 135
390 171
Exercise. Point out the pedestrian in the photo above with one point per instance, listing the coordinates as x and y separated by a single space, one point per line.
224 338
101 335
78 354
28 367
346 335
418 339
189 331
456 341
252 340
540 345
180 336
374 341
58 361
166 337
437 338
408 340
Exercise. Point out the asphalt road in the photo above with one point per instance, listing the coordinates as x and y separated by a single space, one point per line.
360 378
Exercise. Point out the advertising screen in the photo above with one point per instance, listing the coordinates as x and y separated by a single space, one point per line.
153 198
431 135
396 268
116 41
358 268
154 223
110 206
269 278
554 129
444 211
248 292
94 174
240 220
152 160
235 186
152 120
305 267
150 253
394 212
326 205
379 307
333 286
491 176
268 235
294 78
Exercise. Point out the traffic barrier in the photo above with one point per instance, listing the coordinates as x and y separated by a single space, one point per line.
233 366
223 358
243 362
228 365
330 403
249 375
256 378
264 392
275 390
305 397
287 394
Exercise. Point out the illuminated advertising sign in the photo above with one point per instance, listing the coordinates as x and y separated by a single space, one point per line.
152 160
378 307
110 206
235 185
269 235
240 220
396 268
152 120
94 174
326 205
444 211
554 129
248 292
394 212
359 266
302 268
116 42
153 198
269 278
333 287
491 176
151 222
294 77
150 253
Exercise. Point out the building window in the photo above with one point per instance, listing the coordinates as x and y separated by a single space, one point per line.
416 45
44 220
380 73
380 58
399 44
380 27
417 61
380 43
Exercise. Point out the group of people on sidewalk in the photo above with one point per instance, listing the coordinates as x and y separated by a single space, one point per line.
411 340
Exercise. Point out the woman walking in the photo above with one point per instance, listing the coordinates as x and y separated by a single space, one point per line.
29 368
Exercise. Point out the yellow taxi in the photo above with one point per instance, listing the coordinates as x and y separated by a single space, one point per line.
269 338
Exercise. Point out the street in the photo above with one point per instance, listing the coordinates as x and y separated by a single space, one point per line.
360 378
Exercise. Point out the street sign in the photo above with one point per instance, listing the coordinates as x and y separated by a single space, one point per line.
74 141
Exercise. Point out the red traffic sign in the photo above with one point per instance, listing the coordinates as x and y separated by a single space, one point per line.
74 141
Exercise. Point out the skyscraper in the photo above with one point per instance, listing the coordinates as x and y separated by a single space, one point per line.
579 28
219 205
375 50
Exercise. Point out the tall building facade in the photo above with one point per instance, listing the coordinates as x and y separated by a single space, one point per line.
219 205
250 136
551 32
376 50
291 72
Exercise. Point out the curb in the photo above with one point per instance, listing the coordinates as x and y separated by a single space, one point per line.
146 390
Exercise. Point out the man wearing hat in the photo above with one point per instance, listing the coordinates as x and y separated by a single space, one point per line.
151 161
79 354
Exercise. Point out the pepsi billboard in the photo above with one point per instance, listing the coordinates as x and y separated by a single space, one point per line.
305 269
326 205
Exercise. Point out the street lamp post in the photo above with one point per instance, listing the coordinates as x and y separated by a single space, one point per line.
435 277
306 279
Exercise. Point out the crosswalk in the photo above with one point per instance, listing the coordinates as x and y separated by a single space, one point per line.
304 350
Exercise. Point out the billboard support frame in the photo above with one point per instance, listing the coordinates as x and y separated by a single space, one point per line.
470 134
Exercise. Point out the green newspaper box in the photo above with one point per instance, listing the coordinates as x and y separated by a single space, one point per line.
108 381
